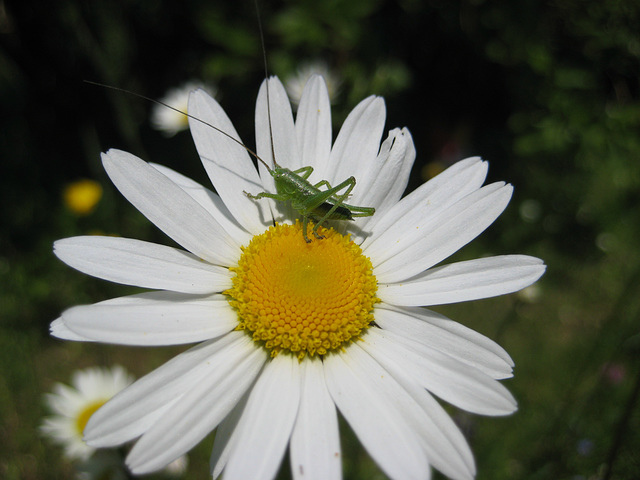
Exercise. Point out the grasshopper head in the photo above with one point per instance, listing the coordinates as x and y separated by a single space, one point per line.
279 172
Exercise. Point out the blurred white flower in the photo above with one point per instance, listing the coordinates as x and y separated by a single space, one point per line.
530 294
606 241
73 406
170 121
294 84
177 467
530 210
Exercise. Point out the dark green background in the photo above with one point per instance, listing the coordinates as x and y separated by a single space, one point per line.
548 92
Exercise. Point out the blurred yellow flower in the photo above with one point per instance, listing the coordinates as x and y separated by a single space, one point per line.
432 169
81 197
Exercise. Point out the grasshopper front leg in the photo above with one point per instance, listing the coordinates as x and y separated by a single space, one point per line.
283 198
275 196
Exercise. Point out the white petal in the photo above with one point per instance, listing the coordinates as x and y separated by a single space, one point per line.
457 328
446 447
281 134
170 208
210 201
357 143
143 264
314 450
276 137
313 124
140 419
438 332
384 183
64 400
227 162
153 318
438 193
225 438
464 281
453 381
431 239
122 418
386 178
372 401
203 406
267 421
59 330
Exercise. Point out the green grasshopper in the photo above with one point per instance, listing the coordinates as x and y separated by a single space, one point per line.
308 200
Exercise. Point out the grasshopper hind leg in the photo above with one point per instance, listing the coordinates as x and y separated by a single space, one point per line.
305 223
305 229
315 230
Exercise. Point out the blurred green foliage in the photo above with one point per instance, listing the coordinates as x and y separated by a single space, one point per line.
549 92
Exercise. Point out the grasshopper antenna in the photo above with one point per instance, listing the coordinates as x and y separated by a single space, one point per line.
153 100
266 76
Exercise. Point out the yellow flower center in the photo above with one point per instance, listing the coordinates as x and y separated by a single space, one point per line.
85 415
303 298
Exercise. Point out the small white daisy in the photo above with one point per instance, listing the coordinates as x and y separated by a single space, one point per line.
296 83
288 330
170 121
73 406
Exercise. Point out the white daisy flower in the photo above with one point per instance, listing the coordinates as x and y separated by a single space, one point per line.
290 330
296 83
170 121
73 406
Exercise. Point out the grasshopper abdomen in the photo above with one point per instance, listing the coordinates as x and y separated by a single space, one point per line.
340 213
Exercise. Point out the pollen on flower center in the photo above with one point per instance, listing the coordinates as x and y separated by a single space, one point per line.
84 416
303 298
